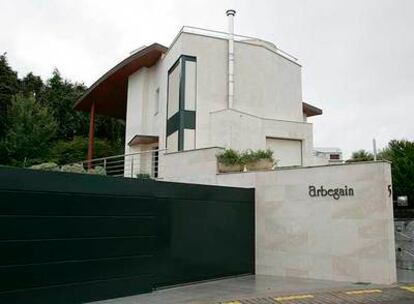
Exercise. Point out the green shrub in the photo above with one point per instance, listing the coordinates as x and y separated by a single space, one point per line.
46 166
98 170
253 156
143 176
233 157
73 168
29 131
65 152
230 157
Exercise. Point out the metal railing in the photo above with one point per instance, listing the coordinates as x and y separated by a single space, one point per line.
241 38
144 164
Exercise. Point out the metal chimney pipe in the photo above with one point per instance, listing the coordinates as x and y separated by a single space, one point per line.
230 14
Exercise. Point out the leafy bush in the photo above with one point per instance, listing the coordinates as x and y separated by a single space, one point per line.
46 166
230 157
401 155
98 170
64 152
143 176
253 156
361 155
233 157
30 129
36 116
73 168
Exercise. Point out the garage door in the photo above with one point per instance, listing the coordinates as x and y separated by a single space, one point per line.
288 152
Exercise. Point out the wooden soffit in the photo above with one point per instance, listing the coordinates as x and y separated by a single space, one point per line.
109 93
310 110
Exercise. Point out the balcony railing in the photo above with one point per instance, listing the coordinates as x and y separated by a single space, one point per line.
144 164
240 38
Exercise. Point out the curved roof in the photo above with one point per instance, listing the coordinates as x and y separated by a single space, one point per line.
110 91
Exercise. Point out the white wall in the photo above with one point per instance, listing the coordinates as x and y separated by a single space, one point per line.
267 89
238 130
187 165
267 85
350 239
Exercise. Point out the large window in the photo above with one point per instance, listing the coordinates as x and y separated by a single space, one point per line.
182 95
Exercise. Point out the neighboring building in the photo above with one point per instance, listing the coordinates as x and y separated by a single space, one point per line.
184 97
331 155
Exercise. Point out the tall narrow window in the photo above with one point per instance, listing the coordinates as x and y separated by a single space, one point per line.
157 101
182 92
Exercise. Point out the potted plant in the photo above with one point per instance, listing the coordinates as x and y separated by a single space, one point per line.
229 161
258 160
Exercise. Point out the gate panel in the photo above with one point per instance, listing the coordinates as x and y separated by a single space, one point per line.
73 238
205 239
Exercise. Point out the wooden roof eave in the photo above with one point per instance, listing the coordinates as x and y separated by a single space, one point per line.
109 92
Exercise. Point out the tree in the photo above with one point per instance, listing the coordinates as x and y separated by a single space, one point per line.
31 85
60 95
401 155
361 155
30 129
9 86
111 129
57 97
75 150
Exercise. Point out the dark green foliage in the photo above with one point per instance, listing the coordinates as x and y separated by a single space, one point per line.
30 128
143 176
361 155
56 97
70 151
31 85
229 157
253 156
60 95
111 129
233 157
9 86
401 154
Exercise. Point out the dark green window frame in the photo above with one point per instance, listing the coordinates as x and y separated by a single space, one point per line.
183 119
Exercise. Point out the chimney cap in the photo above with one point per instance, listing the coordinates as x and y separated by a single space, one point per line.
230 12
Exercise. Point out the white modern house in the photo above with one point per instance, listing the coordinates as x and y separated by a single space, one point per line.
208 91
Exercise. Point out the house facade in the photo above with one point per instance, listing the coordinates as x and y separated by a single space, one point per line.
209 91
182 100
177 99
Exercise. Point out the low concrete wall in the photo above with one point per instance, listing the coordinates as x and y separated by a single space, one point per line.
350 238
192 166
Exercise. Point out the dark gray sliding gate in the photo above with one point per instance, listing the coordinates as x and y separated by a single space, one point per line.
72 238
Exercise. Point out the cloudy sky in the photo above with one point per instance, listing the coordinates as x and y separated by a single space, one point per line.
357 56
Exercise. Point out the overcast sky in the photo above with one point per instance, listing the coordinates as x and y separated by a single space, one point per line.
357 55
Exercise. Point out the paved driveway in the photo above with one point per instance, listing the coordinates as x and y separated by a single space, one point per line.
270 289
